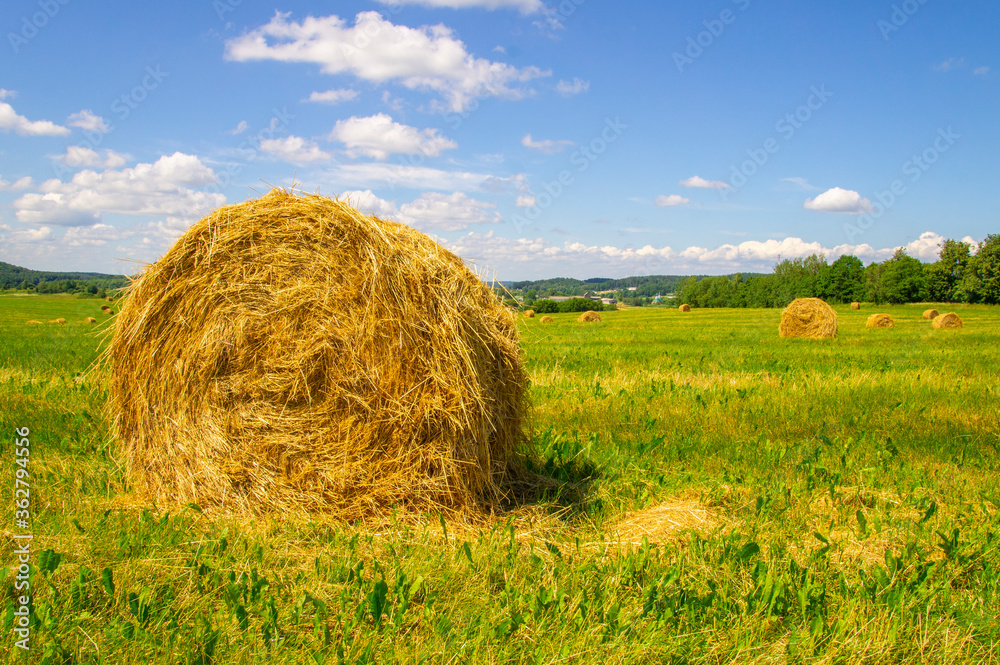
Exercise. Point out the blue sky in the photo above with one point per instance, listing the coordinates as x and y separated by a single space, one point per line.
535 138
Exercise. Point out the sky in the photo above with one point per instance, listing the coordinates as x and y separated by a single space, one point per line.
534 138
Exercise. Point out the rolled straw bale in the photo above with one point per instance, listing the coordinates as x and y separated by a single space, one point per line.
104 308
930 314
90 319
808 317
880 321
685 308
290 353
32 322
547 319
949 320
59 320
590 316
529 313
855 305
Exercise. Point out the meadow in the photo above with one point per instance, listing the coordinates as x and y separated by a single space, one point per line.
713 494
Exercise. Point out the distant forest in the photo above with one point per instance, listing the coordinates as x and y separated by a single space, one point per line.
24 279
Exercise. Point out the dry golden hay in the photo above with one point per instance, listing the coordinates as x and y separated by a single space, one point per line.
590 316
32 322
290 353
547 319
104 308
930 314
949 320
109 311
59 320
808 317
664 522
529 313
90 319
110 299
685 308
855 305
880 321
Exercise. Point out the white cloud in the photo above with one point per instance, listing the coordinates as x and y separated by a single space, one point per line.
9 120
525 202
87 119
97 235
7 94
26 236
429 58
698 182
379 136
159 188
24 182
839 200
949 64
295 150
981 71
78 155
366 202
672 200
574 87
390 175
801 183
548 146
239 129
335 96
448 212
523 6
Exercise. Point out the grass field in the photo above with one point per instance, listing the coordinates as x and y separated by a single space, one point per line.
723 495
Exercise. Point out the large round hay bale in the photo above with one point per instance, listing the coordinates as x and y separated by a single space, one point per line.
104 308
685 308
855 305
949 320
291 353
529 313
880 321
808 317
547 319
59 320
930 314
590 316
90 319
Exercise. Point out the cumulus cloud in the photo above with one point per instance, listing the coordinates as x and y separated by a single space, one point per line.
365 201
164 187
87 119
78 155
295 150
335 96
698 182
375 175
7 94
523 6
548 146
24 182
379 136
428 58
845 201
672 200
574 87
525 202
11 121
448 212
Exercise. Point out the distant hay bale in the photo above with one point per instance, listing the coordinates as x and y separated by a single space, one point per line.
110 299
292 354
547 319
949 320
109 311
880 321
930 314
32 322
59 320
90 319
855 305
590 316
808 317
104 308
685 308
529 313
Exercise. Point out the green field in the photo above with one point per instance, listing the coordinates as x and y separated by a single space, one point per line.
719 495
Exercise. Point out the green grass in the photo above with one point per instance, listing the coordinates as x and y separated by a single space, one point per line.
726 496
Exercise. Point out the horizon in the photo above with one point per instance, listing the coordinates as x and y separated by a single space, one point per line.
534 139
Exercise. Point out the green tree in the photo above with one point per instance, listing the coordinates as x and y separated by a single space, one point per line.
875 290
986 268
945 276
845 280
903 278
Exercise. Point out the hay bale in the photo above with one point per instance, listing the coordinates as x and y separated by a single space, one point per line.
808 317
109 311
90 319
104 308
529 313
59 320
547 319
590 316
949 320
685 308
930 314
880 321
290 353
32 322
855 305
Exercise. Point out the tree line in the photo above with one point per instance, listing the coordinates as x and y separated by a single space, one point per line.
960 275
